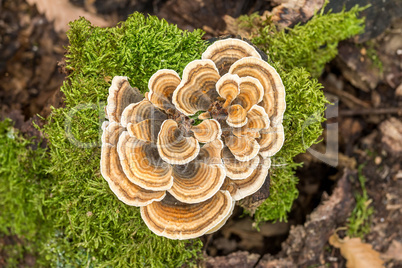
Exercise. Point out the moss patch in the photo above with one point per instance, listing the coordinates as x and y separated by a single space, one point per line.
311 45
24 186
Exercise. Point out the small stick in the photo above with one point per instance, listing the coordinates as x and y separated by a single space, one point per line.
372 111
348 98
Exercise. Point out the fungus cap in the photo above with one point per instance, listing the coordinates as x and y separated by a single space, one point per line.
244 148
257 120
237 116
240 189
228 87
227 51
207 130
251 92
121 94
211 153
196 181
146 130
274 91
112 171
142 165
140 111
161 86
196 90
176 220
173 146
236 169
271 140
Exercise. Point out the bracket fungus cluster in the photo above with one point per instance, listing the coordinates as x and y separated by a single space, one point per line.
185 176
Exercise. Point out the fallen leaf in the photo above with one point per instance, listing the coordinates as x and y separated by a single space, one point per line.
62 12
290 12
357 253
393 252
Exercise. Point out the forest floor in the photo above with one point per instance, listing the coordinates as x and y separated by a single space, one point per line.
365 80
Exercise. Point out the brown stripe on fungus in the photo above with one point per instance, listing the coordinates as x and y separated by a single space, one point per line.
210 153
228 88
225 52
237 116
173 146
236 169
244 148
196 181
142 165
111 132
161 86
146 130
271 140
113 173
251 92
207 131
274 91
197 90
240 189
228 185
177 220
223 221
121 94
140 111
257 120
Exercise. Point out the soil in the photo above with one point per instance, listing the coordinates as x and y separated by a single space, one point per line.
369 123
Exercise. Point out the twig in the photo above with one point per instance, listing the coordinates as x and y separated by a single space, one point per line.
347 98
372 111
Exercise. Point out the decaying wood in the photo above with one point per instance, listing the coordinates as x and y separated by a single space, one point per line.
357 68
291 12
197 14
236 259
391 131
252 202
306 243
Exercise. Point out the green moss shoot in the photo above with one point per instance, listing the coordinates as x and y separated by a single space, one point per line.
311 45
359 221
24 186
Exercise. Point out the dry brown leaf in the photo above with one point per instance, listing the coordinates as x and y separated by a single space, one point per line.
62 12
290 12
394 252
357 253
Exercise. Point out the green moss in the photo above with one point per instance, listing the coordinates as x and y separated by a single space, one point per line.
310 45
359 221
23 187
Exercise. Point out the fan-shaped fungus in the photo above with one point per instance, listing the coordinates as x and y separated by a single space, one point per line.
185 174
